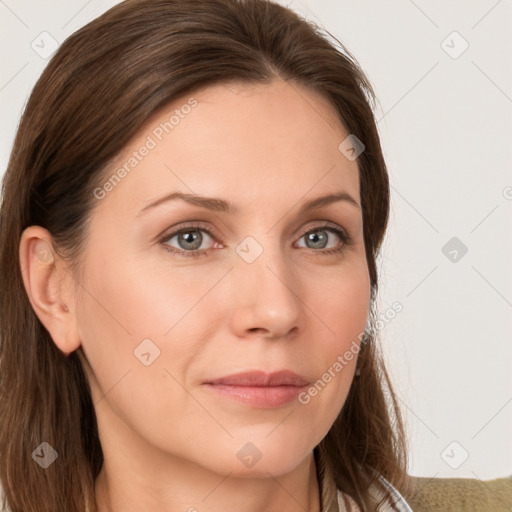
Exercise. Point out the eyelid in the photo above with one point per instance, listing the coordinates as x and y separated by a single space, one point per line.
187 226
325 224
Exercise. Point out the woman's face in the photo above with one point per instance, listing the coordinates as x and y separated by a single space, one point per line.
264 286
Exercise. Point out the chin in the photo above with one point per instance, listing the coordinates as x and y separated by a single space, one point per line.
258 456
274 464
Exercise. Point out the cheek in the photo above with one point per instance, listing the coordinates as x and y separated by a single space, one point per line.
341 301
343 310
141 334
130 311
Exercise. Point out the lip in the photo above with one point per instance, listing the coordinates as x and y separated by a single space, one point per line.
258 388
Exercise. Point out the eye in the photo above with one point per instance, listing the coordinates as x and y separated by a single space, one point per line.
189 241
323 237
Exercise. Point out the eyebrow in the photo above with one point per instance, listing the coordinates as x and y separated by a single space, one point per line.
221 205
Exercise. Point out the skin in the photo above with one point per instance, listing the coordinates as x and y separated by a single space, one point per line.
169 444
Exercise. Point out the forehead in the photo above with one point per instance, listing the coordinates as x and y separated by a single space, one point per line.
256 142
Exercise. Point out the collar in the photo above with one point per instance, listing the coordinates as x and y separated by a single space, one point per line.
333 500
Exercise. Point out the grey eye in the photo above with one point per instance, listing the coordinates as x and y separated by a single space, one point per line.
188 239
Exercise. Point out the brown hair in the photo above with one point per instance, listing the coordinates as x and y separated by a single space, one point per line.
97 91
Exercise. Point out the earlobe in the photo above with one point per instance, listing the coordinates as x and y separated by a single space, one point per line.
46 282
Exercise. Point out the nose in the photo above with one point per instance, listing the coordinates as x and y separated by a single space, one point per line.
268 300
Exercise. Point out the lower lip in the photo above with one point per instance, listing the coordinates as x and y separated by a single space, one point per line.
258 396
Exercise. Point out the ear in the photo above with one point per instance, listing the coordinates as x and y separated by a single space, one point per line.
48 286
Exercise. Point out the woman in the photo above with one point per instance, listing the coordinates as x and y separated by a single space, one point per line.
191 217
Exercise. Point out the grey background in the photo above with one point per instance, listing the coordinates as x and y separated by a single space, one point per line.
445 122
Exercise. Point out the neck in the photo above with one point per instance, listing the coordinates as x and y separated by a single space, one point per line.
189 488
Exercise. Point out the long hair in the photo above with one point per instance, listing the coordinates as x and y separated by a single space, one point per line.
99 88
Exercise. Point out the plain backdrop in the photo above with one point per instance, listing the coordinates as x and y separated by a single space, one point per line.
442 71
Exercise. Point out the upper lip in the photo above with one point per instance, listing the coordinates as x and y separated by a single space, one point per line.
260 378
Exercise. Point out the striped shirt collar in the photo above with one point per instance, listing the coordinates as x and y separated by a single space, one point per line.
399 505
334 500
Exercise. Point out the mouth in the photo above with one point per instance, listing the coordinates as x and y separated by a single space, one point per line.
258 388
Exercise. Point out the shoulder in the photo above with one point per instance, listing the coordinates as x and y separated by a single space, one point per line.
470 494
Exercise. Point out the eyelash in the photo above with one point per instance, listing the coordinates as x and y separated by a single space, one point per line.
343 235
